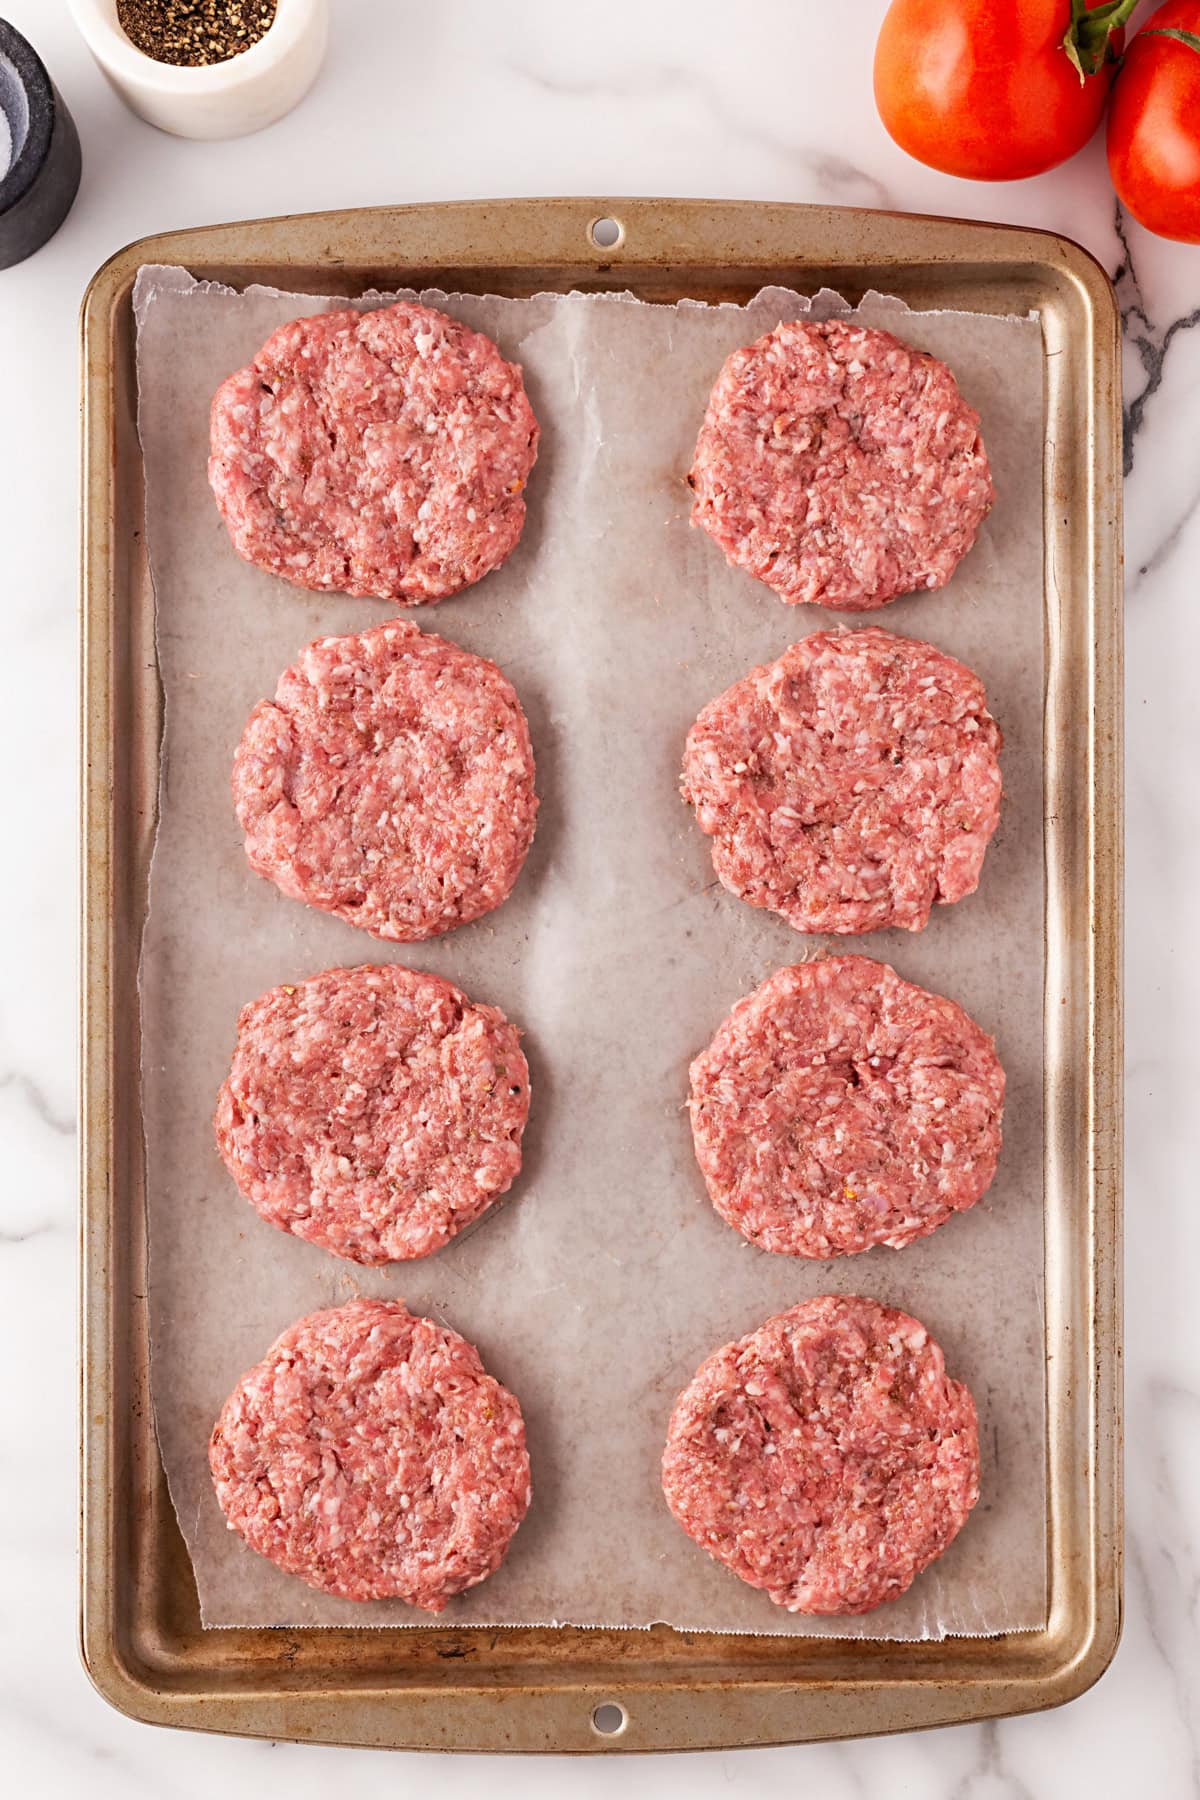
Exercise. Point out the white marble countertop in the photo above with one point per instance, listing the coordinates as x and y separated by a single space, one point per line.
472 99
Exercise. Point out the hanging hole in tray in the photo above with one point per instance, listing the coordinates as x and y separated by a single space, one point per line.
606 234
610 1719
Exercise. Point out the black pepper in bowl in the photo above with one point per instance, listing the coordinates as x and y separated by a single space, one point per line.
194 33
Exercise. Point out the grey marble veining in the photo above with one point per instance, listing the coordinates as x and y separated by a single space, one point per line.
769 101
1149 338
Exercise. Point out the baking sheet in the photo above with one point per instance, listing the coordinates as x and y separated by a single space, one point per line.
606 1278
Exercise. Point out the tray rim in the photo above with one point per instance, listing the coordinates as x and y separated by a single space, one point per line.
157 1682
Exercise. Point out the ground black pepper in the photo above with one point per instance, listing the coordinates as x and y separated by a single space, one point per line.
195 32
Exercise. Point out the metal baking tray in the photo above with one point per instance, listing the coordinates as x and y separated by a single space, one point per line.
538 1688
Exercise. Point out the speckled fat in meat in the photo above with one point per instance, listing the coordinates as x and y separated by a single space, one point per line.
839 1107
827 1458
390 781
840 466
383 453
371 1454
850 784
374 1111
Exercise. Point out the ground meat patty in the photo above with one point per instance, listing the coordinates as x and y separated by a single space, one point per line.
850 784
372 1455
827 1457
390 782
381 453
840 466
840 1107
373 1111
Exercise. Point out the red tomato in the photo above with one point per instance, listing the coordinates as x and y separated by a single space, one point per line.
989 90
1154 124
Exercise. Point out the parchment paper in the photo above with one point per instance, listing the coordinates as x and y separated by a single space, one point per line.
607 1277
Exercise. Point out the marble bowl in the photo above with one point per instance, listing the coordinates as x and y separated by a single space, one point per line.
219 100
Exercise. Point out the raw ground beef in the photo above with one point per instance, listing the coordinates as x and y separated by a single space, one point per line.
376 1112
840 466
372 1455
840 1107
827 1457
849 785
382 453
390 782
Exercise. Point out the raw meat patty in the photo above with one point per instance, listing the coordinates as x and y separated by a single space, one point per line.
381 453
840 466
390 782
827 1457
373 1111
850 784
840 1107
372 1455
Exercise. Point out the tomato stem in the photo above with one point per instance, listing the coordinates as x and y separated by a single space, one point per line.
1181 37
1088 42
